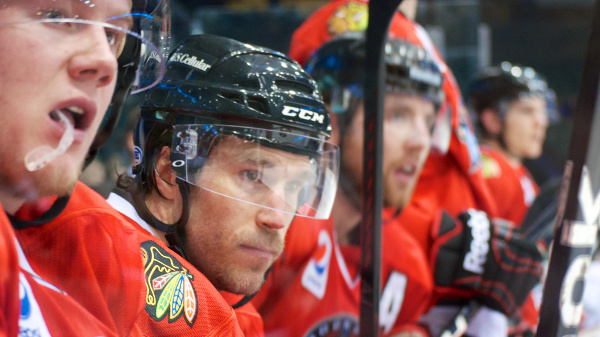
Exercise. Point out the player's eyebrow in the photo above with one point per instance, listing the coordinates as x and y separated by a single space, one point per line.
257 159
124 21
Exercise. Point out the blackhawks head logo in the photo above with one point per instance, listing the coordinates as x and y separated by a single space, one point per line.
169 290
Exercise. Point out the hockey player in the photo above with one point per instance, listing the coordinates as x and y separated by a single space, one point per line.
512 105
79 273
113 263
229 149
58 77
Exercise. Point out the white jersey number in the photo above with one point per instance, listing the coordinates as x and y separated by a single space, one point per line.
391 300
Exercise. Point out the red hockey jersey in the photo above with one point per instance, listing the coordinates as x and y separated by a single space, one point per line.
9 280
248 317
180 300
314 288
513 187
122 276
30 305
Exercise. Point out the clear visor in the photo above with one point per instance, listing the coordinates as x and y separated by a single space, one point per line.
282 171
139 40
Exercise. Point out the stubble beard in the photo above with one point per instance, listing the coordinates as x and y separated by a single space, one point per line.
48 181
57 180
240 284
230 277
397 196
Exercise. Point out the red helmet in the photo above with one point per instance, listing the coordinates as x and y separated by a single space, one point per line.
339 17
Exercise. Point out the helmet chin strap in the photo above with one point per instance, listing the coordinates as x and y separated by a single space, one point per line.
248 298
176 238
174 233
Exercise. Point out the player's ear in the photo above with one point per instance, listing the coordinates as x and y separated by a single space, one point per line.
164 176
491 122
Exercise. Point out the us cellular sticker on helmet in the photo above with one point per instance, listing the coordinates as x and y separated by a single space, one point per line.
190 60
169 288
193 58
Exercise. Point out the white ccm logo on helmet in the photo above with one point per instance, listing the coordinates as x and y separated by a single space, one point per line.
480 230
303 114
191 61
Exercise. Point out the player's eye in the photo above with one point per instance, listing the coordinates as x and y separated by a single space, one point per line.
252 175
116 40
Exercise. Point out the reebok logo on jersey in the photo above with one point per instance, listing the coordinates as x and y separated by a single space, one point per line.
307 115
480 231
169 290
316 273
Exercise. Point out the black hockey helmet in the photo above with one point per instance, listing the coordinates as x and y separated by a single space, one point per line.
496 87
217 88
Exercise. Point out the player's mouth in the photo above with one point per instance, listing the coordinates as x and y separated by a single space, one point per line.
258 252
80 112
77 116
405 172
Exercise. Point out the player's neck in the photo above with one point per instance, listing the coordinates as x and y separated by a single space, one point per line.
513 159
9 202
345 217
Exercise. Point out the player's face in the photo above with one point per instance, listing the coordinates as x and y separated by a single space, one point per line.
408 122
525 127
230 241
46 67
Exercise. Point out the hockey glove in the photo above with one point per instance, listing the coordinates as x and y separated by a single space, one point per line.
488 260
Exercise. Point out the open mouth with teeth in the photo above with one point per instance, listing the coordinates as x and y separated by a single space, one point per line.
40 156
76 115
407 169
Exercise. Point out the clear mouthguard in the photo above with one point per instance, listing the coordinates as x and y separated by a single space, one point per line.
41 156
